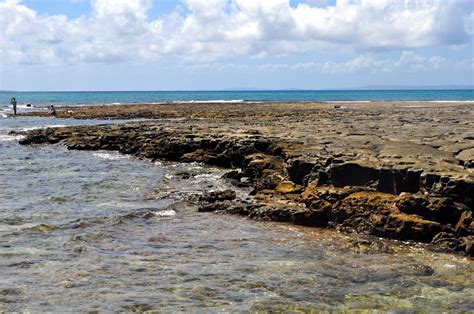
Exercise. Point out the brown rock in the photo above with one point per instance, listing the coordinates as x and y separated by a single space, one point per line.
353 174
218 196
287 187
409 227
464 225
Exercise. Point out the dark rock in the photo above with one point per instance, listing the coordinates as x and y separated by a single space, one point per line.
232 175
406 227
413 204
467 245
213 207
298 170
236 154
218 196
263 146
353 174
460 190
439 209
320 174
210 158
427 180
312 218
444 210
320 213
265 170
328 194
465 226
396 181
446 240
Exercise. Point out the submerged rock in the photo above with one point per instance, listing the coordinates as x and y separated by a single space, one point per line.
212 197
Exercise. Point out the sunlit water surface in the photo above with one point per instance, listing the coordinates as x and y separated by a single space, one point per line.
85 231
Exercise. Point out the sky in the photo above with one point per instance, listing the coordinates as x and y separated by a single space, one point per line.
234 44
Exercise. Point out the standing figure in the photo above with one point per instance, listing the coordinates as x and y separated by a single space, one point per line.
52 111
13 103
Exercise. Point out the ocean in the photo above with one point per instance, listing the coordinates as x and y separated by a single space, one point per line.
88 98
90 231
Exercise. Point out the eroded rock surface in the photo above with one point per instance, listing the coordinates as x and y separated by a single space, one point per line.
391 171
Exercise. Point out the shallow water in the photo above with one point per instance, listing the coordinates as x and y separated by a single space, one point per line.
84 231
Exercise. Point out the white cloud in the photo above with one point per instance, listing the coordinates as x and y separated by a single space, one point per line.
121 30
408 62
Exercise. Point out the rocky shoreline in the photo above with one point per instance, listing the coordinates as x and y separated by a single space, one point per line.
394 171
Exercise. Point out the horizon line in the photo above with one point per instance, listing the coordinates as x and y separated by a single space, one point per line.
365 88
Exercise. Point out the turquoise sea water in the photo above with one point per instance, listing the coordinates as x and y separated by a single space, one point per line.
82 98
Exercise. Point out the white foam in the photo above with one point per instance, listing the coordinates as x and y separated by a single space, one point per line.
6 138
398 101
212 101
17 227
205 177
453 101
348 101
43 126
166 213
110 156
433 101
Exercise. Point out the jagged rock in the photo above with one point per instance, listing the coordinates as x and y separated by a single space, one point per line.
467 245
409 227
320 212
460 190
329 194
445 210
362 204
287 187
353 174
210 158
218 196
465 224
299 170
213 207
466 155
439 209
396 181
320 175
427 180
413 204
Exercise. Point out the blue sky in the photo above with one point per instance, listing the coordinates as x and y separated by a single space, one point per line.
228 44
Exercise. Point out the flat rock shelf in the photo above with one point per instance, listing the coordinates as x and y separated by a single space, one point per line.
395 170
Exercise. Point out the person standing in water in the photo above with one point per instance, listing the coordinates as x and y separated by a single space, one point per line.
13 103
52 111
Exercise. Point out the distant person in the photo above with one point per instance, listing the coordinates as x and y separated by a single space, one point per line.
52 111
13 103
